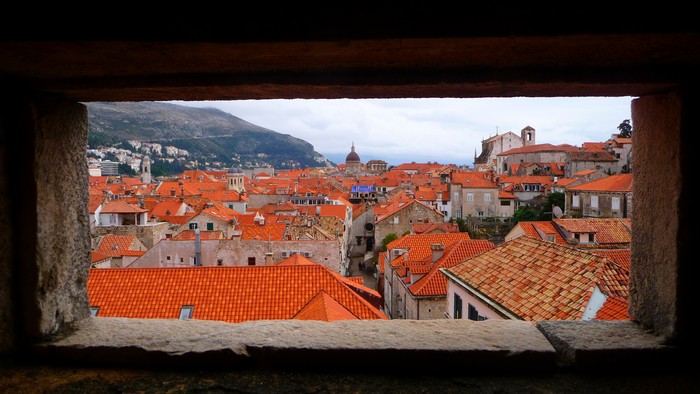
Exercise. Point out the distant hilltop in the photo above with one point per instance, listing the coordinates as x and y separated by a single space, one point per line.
210 136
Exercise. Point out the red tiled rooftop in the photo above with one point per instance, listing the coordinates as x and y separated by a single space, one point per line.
117 206
534 279
434 283
614 308
612 183
324 307
608 231
418 245
117 245
232 294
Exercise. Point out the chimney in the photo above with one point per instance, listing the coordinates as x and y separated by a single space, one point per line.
268 258
197 248
318 210
438 250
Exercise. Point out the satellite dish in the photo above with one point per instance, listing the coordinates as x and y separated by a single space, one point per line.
556 212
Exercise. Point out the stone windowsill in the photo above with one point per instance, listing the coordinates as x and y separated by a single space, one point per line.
491 345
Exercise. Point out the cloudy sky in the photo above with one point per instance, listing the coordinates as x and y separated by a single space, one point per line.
421 130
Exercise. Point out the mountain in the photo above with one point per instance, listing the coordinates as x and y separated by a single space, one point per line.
209 135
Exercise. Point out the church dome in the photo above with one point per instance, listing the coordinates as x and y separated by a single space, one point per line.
235 170
352 156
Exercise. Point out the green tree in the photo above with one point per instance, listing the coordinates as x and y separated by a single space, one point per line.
389 237
462 225
625 129
125 169
524 214
552 200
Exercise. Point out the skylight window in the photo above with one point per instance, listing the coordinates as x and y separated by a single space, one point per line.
186 312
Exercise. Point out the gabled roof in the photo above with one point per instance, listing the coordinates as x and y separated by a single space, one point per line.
612 183
472 179
385 210
533 279
221 212
434 283
117 206
166 208
545 227
118 245
418 245
231 294
541 148
608 231
439 227
326 308
94 202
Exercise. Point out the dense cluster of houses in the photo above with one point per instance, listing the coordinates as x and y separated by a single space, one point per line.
237 245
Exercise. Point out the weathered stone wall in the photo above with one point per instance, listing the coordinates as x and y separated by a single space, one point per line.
662 271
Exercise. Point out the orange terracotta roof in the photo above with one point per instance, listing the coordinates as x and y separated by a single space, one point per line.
472 180
442 227
533 279
612 183
418 245
222 212
541 148
97 256
545 227
117 206
608 231
166 208
614 308
117 245
271 230
94 202
434 283
613 279
323 307
622 257
232 294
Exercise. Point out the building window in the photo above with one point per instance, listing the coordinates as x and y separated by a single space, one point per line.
481 214
457 313
210 226
396 220
358 240
167 258
219 262
251 260
186 312
505 203
616 203
472 313
193 226
470 196
574 201
487 197
594 201
182 260
94 310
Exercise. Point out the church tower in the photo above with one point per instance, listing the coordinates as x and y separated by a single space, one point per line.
528 136
234 180
146 170
352 161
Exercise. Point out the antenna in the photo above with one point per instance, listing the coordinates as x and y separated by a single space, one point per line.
556 212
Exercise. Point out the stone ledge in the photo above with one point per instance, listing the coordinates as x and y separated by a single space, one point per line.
608 344
430 345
